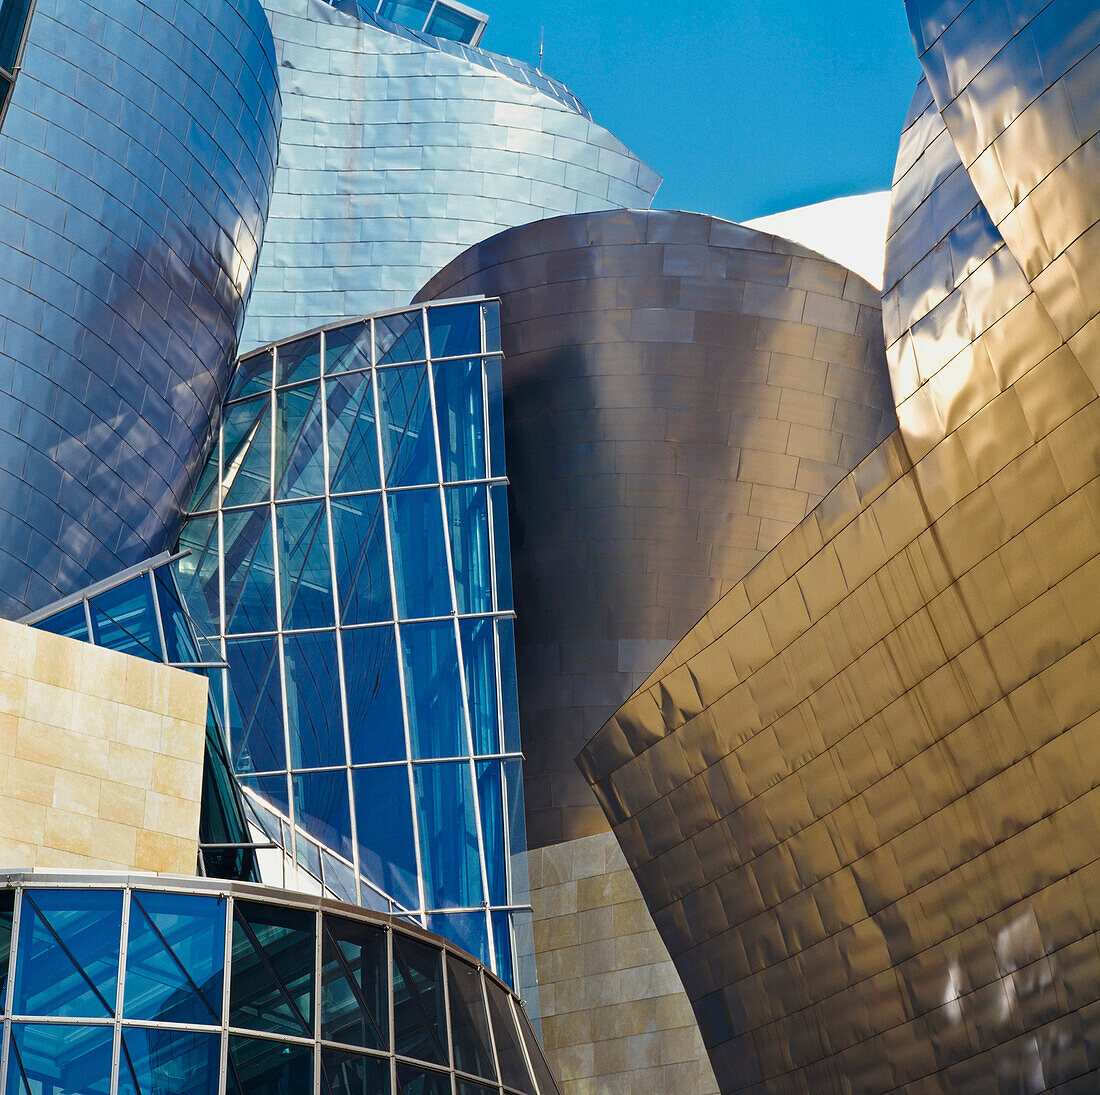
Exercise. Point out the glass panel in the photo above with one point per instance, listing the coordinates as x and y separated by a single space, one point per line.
13 17
205 495
400 337
375 723
321 808
454 331
410 13
448 835
458 406
418 1006
352 441
432 685
509 697
256 739
422 1081
178 645
174 958
468 930
502 550
405 412
70 622
344 1073
503 930
473 1051
249 571
69 942
59 1060
512 1065
354 990
419 554
383 815
305 577
468 517
313 700
494 392
453 25
490 794
261 1067
490 317
299 360
178 1061
124 619
272 981
299 447
340 879
479 660
7 905
543 1075
347 348
468 1087
198 571
272 790
246 453
253 374
362 570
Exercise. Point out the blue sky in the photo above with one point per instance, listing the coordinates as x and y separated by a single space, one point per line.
746 108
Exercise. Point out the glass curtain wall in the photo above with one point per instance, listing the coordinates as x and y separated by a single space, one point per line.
349 539
13 22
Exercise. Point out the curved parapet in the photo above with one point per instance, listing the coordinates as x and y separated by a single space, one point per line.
398 151
854 795
137 161
679 391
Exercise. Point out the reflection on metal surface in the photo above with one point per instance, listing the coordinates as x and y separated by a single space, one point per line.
860 796
127 244
399 151
679 392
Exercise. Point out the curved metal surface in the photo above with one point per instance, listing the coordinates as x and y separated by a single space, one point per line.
855 795
398 151
136 162
679 392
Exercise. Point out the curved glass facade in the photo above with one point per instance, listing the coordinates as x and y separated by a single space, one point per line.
112 989
350 540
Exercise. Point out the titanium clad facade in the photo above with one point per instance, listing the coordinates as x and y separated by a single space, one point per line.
137 157
860 796
400 150
679 392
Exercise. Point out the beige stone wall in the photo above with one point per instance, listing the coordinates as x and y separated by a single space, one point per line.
101 757
615 1018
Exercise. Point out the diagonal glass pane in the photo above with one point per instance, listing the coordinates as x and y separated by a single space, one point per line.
313 709
400 337
458 405
344 1073
256 739
347 348
178 643
59 1059
298 360
321 808
513 1066
253 374
433 688
454 331
124 619
449 854
182 1062
383 815
258 1066
419 1018
419 554
375 723
299 452
174 958
305 577
362 571
206 495
405 418
69 942
473 1051
543 1076
352 440
70 622
198 571
468 519
271 984
246 453
249 571
354 988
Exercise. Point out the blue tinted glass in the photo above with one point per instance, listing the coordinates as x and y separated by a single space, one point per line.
473 1048
419 554
517 829
461 418
352 440
340 879
271 986
411 13
206 496
468 517
299 448
7 906
354 987
179 646
313 700
506 639
383 816
261 1067
347 348
246 453
178 1061
453 25
494 393
362 571
344 1073
253 374
490 317
419 1008
249 571
124 619
408 441
399 338
479 658
375 723
72 940
305 577
70 622
59 1059
468 930
490 794
502 550
502 943
433 687
274 792
256 706
174 958
321 808
198 570
299 360
448 835
13 17
454 331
